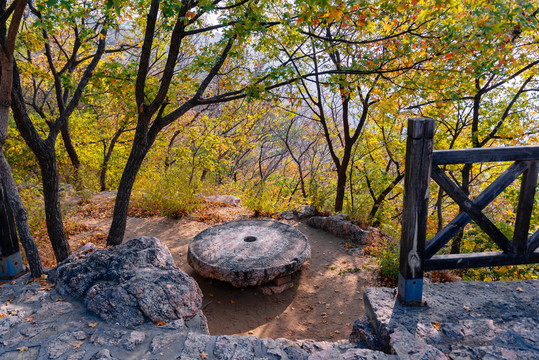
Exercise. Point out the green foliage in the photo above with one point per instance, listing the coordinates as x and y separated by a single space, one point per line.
387 258
164 193
32 198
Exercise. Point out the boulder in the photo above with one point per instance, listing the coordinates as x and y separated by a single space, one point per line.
225 199
289 214
129 283
306 211
337 226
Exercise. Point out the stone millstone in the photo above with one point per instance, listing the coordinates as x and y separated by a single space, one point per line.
129 283
248 252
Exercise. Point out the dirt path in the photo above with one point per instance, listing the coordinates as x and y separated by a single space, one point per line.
326 299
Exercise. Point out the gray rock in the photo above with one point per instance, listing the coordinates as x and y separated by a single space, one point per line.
79 355
134 338
289 214
102 355
409 347
306 211
161 341
363 333
337 226
467 320
60 345
248 252
129 283
194 345
30 354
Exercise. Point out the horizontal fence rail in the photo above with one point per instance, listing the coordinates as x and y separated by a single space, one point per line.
422 163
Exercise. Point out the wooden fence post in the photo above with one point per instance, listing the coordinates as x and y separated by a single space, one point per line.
419 147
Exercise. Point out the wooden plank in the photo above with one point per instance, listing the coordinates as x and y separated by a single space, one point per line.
533 242
525 207
473 210
481 201
470 156
416 184
415 208
474 260
417 127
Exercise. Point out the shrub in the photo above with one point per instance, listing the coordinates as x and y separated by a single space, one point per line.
165 193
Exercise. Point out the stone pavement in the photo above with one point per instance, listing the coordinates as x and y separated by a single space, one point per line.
461 320
37 323
464 320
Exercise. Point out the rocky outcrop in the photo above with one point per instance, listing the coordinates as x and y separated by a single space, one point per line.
302 212
129 283
337 226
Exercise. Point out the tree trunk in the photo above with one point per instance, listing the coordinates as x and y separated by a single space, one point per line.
382 197
341 187
53 210
106 158
341 176
20 214
72 153
6 176
121 206
465 187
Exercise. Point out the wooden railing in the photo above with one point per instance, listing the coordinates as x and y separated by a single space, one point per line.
422 163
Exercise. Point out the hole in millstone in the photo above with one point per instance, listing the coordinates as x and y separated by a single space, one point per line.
249 239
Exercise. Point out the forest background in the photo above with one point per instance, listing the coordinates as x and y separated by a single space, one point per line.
282 103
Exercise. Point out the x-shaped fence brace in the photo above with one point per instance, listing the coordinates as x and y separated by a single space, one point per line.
422 163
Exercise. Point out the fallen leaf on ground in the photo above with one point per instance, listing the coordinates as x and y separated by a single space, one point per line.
77 345
92 324
467 308
60 299
436 325
161 323
30 318
203 355
22 348
520 289
324 314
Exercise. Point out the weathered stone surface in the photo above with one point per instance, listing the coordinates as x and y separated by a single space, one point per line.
102 355
133 339
363 334
248 252
30 354
225 199
60 345
289 214
161 341
270 289
409 347
129 283
337 226
461 320
306 211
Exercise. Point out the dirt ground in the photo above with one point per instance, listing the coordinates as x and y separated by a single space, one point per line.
326 299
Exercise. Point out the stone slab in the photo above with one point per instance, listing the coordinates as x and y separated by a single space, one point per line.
248 252
76 334
460 319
